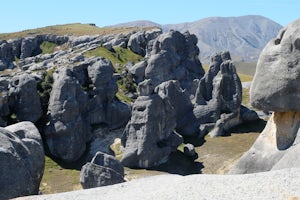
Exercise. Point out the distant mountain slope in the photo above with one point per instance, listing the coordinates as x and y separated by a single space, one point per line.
138 23
243 36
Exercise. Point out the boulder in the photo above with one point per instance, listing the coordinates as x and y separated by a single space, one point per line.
219 96
4 104
275 88
138 41
148 138
182 105
67 131
24 99
276 80
103 170
22 160
174 56
189 151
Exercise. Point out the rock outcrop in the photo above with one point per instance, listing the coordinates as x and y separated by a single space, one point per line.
82 96
171 56
68 131
278 63
103 170
4 103
138 41
218 97
149 136
24 98
22 160
274 88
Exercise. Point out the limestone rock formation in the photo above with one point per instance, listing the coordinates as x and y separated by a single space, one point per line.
22 160
24 98
278 63
138 41
174 56
67 132
4 104
149 138
82 96
219 96
274 88
103 170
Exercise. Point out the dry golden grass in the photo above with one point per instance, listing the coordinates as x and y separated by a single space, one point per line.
76 29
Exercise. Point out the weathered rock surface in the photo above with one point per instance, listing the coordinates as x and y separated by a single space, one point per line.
24 98
67 132
274 88
219 96
275 148
276 80
278 185
4 103
149 136
22 160
103 170
82 96
174 56
138 42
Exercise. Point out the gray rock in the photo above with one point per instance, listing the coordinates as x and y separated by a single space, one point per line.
24 98
182 105
174 56
189 150
275 148
278 63
277 185
219 95
103 170
67 132
22 160
148 138
138 71
248 114
30 47
4 104
138 41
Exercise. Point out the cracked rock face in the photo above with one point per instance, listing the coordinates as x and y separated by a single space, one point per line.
276 82
22 160
148 138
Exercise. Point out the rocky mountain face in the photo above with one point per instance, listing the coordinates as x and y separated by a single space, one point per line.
243 36
275 89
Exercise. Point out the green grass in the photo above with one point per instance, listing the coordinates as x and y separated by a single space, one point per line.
119 57
48 47
58 179
76 29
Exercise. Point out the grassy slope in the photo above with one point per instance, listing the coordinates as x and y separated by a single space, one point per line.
69 29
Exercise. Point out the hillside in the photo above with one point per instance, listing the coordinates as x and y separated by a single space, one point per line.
76 29
243 36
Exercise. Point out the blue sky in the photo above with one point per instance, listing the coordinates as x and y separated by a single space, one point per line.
17 15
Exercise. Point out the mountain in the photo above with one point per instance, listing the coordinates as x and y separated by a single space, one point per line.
138 23
243 36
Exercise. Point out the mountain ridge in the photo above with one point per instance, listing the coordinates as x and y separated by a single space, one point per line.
243 36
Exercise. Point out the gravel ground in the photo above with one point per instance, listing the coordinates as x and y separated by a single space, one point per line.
281 184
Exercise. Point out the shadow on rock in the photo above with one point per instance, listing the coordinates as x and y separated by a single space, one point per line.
253 126
180 164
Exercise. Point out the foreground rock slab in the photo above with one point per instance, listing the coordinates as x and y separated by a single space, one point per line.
281 184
